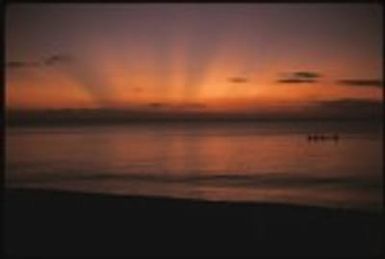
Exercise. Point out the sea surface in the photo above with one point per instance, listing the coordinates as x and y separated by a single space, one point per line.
232 161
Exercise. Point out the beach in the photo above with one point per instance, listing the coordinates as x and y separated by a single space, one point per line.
194 130
62 223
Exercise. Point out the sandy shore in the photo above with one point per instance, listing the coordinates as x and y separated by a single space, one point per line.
52 223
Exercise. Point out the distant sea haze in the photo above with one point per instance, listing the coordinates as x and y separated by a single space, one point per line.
368 111
239 161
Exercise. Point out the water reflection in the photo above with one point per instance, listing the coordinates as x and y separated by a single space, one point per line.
250 161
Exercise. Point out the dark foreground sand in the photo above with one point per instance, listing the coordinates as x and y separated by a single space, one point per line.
53 223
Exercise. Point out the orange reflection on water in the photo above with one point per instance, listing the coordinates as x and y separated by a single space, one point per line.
246 161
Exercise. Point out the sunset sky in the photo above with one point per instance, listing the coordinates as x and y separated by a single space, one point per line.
210 57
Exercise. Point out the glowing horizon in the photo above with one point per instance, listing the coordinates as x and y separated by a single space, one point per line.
224 57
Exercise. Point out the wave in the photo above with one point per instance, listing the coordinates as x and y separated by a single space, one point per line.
254 180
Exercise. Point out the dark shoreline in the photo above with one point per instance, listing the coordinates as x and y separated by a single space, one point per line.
54 223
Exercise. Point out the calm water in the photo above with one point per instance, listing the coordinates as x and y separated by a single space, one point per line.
258 161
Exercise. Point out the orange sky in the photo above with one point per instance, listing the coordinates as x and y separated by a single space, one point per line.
192 58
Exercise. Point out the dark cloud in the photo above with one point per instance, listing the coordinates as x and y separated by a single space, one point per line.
362 82
21 64
238 80
89 80
177 106
57 59
49 61
300 77
306 74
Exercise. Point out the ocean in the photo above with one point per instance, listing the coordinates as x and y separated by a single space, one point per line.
232 161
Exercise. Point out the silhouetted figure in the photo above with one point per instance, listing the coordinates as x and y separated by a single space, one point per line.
322 137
